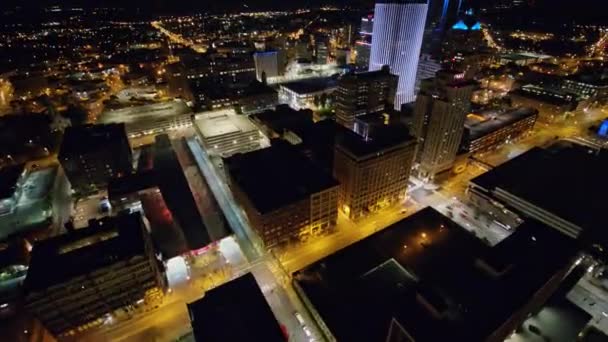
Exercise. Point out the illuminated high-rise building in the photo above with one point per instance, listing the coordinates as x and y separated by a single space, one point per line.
439 115
363 46
364 93
398 31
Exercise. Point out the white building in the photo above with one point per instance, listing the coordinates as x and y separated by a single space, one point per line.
224 133
398 31
266 63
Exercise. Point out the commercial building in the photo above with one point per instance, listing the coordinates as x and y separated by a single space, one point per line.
373 173
77 280
522 59
550 101
363 93
240 302
487 130
439 115
558 186
255 98
224 133
398 30
246 98
266 65
302 94
285 195
425 278
150 119
587 87
282 120
92 154
363 46
427 68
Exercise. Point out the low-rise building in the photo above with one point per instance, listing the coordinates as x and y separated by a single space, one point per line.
487 130
425 278
150 119
551 102
77 280
225 133
559 186
303 94
285 195
213 317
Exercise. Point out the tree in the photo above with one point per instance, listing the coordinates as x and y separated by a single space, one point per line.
78 115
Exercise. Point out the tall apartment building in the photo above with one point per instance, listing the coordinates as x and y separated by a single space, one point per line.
373 173
439 116
92 154
363 93
75 280
398 31
285 195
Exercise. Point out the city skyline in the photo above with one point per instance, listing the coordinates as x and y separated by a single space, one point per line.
315 171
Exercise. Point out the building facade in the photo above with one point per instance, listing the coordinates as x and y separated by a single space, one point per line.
364 93
398 31
77 280
485 132
266 64
92 154
439 116
373 173
287 198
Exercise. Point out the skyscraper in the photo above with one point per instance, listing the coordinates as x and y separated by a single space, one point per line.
398 31
364 93
439 115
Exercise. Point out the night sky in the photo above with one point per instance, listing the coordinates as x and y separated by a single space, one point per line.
562 9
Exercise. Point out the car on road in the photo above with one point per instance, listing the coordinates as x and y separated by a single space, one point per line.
307 331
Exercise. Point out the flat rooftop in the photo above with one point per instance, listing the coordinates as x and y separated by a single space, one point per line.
565 179
284 117
277 176
433 277
385 137
235 311
82 139
106 242
218 124
155 111
480 125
